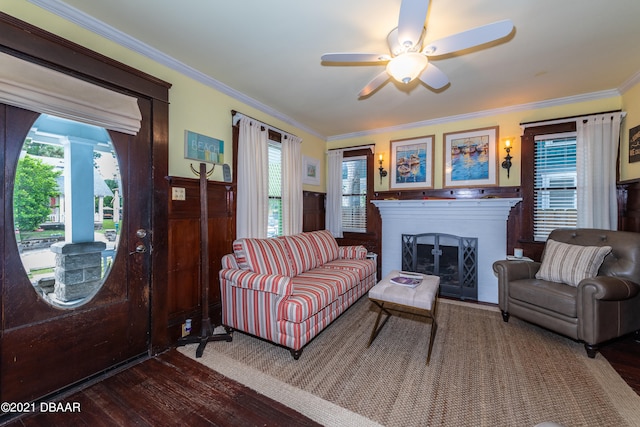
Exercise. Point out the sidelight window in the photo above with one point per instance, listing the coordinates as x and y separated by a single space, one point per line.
67 209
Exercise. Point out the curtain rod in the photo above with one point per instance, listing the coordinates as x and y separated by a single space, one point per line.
564 119
236 116
355 147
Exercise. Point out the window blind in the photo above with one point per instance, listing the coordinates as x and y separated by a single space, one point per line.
354 194
34 87
555 204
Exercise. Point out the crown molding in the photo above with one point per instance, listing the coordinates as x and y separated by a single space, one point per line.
98 27
632 81
480 114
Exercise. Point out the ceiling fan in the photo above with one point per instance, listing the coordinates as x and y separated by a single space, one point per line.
408 59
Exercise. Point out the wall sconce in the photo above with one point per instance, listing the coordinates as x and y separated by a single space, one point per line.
383 172
506 164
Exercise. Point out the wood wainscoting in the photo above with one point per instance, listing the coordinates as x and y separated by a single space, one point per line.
184 298
313 211
184 235
629 206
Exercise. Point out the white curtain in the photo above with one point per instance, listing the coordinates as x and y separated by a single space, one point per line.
597 148
333 220
253 163
291 185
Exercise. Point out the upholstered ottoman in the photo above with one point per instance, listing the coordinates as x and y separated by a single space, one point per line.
420 300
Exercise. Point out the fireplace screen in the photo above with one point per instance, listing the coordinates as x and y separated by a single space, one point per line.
454 259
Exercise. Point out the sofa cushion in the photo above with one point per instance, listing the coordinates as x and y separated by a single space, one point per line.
363 267
265 256
314 290
570 264
325 245
301 251
553 296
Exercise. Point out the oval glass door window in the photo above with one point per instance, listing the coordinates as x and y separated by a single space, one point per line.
67 208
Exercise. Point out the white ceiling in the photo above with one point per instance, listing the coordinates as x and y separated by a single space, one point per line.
267 53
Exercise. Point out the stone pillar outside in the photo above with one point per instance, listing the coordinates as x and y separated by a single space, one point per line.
78 271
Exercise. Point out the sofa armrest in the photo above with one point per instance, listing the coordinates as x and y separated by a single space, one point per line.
272 283
515 270
352 252
608 288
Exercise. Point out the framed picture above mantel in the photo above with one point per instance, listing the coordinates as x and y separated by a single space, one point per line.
470 158
411 163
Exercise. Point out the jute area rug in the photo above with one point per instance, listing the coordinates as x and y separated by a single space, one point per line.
483 372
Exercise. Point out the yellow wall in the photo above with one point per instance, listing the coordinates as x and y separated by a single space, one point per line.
200 108
630 104
509 126
193 105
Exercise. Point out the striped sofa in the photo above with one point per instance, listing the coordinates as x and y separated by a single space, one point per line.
287 289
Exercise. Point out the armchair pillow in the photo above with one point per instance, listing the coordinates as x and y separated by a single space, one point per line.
570 264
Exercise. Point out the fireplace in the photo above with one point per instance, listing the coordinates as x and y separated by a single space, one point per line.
453 258
483 219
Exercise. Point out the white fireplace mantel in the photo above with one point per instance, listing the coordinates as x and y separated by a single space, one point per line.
485 219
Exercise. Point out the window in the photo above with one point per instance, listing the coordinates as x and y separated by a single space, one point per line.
274 224
554 192
51 202
354 194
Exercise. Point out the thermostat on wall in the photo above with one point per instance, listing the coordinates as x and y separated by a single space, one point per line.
226 172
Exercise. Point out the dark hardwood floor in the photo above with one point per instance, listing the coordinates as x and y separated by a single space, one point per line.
168 390
172 389
624 356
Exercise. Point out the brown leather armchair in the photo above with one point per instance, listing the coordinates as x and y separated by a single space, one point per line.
595 311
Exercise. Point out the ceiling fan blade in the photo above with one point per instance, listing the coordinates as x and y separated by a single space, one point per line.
413 13
354 57
374 84
470 38
433 77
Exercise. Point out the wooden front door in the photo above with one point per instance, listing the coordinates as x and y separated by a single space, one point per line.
46 348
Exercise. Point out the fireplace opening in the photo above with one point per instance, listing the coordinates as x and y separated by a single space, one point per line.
453 258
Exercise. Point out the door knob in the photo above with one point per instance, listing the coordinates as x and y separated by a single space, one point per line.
141 233
141 249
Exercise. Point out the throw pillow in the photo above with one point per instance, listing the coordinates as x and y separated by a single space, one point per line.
570 264
301 251
325 246
263 256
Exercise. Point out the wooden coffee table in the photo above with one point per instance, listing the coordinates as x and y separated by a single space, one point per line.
421 300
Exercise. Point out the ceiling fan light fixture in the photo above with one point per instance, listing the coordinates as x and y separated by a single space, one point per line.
398 47
407 66
406 41
429 50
